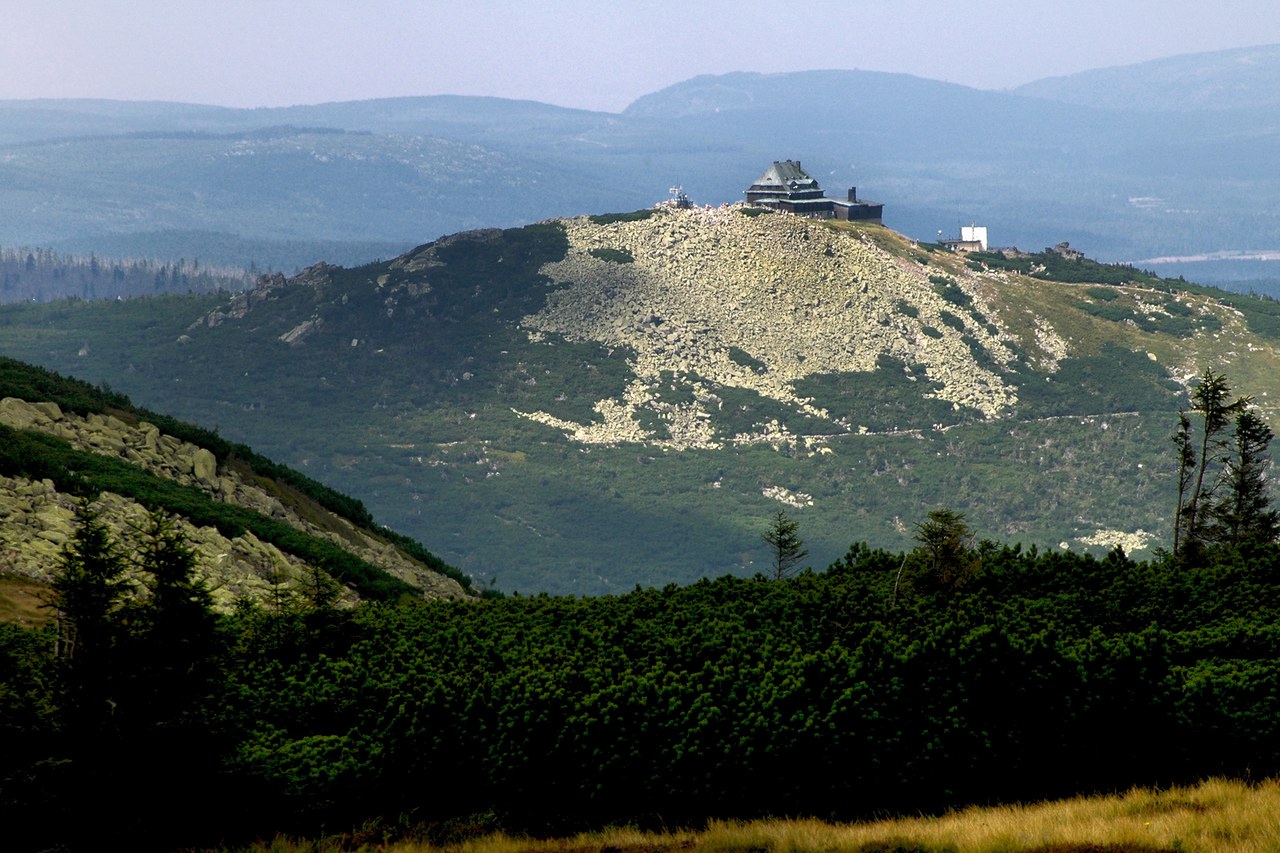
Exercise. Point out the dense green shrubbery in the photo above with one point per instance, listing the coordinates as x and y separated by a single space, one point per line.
895 396
1053 266
1177 319
949 319
35 384
1110 311
947 287
845 693
610 218
1114 380
616 256
1262 313
29 382
339 504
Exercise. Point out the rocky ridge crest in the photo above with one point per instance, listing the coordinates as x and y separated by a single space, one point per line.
796 296
36 519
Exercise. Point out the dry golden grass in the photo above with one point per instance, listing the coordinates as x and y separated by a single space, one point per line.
24 601
1214 817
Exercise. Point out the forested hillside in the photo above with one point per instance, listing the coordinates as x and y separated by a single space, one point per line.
42 275
956 673
589 404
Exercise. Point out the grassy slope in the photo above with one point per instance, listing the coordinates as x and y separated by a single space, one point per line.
24 602
416 418
1213 817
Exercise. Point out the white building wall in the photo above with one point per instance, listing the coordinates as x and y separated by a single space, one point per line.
974 234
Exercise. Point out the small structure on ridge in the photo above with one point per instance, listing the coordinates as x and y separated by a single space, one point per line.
786 187
973 238
677 199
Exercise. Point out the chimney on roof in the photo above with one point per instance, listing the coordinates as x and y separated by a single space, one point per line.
853 194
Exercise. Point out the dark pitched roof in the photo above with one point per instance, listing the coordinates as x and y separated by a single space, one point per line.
786 174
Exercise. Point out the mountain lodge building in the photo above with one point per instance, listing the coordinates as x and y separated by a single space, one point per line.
786 187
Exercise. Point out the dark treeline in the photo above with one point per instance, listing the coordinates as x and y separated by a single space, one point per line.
957 673
42 275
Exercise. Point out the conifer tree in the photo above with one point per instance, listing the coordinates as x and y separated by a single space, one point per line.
1223 490
1186 454
1211 400
177 633
1244 512
785 546
946 543
88 590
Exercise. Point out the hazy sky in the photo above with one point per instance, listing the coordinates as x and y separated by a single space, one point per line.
596 55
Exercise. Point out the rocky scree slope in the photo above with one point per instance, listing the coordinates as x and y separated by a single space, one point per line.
715 299
685 291
36 519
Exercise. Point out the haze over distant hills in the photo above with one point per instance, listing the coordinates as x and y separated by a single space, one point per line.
1244 78
1168 158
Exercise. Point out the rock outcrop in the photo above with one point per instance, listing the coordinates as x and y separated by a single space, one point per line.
797 296
36 519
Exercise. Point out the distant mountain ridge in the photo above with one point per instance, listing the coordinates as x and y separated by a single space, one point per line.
791 92
1117 177
1246 78
56 118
